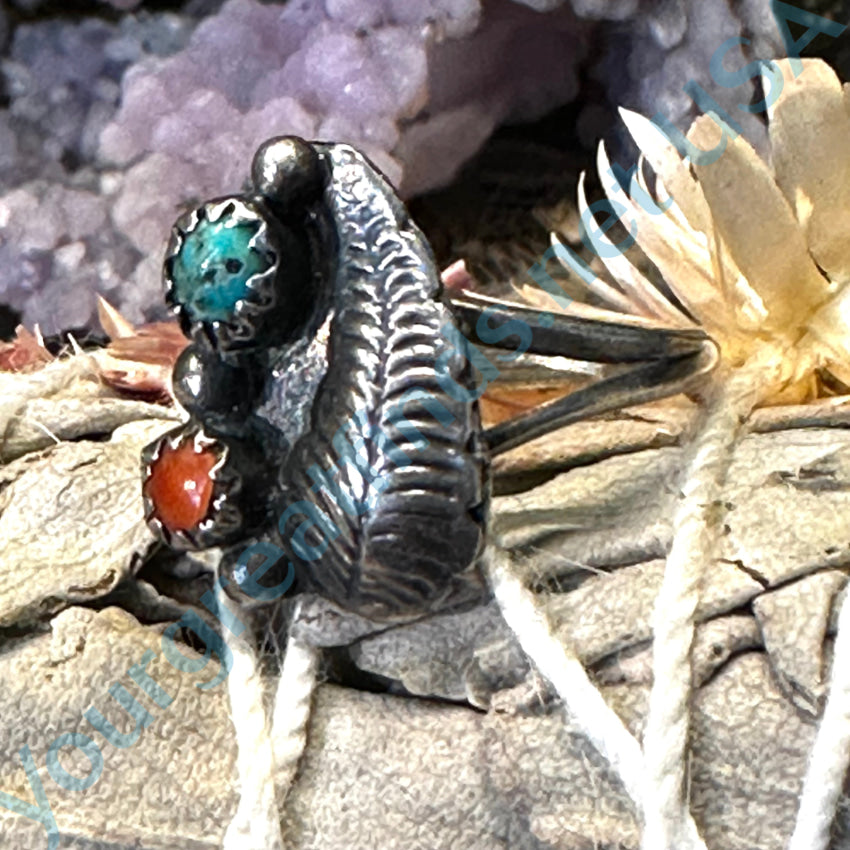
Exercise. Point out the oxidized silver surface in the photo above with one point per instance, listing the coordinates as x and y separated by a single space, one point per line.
416 472
350 407
365 409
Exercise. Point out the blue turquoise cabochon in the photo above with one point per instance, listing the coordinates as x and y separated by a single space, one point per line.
214 262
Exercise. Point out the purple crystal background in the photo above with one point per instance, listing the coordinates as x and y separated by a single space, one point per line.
116 123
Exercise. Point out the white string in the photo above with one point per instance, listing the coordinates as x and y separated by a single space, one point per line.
583 702
256 824
292 705
668 824
830 754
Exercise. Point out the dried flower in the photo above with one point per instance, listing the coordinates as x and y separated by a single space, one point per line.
758 256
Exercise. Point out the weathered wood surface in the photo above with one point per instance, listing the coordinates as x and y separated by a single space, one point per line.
438 734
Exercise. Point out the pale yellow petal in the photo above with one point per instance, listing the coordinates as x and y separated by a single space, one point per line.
668 203
749 308
665 160
631 282
742 306
665 200
542 300
750 311
535 296
758 226
810 138
641 173
685 264
612 297
639 290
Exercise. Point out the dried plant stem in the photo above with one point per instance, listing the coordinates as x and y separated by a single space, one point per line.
668 824
292 705
256 824
583 702
830 756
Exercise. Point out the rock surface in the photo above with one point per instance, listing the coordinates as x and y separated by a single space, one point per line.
71 522
380 770
436 732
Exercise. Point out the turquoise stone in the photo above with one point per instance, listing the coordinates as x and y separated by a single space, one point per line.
211 270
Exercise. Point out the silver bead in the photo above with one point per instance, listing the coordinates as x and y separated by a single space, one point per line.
287 171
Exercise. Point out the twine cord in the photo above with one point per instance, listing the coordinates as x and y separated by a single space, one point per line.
583 702
292 705
268 750
256 824
830 755
668 824
656 777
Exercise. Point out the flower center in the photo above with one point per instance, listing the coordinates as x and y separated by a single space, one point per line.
180 485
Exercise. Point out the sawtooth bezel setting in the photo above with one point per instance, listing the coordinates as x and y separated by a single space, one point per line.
249 312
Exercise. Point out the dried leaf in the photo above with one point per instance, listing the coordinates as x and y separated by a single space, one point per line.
457 276
24 353
141 364
112 322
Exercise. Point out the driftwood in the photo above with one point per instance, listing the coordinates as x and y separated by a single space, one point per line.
438 733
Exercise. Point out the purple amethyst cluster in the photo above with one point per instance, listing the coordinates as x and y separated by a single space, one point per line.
113 123
113 128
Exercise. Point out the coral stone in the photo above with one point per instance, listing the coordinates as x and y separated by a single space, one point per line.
180 485
213 266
